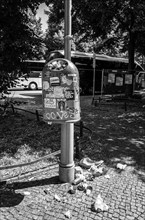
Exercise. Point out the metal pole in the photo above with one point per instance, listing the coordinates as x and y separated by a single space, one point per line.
66 167
102 82
67 29
94 72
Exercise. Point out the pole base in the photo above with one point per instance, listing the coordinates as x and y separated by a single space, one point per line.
66 174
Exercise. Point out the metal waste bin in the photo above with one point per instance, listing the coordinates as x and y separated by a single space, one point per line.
60 91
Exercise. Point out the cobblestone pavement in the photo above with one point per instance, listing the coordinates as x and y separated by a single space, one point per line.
35 197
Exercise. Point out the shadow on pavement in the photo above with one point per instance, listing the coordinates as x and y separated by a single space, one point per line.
41 182
10 198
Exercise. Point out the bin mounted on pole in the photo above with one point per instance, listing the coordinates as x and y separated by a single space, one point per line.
61 100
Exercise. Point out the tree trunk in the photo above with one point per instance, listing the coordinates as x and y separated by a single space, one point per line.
131 72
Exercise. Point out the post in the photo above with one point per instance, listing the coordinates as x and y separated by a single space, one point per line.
94 72
66 167
102 82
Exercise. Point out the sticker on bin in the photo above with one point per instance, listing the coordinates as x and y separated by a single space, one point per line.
54 81
58 92
69 94
49 103
45 85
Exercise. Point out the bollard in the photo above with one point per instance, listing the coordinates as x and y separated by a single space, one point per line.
37 115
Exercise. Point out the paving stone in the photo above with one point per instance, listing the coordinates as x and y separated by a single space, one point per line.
125 201
129 217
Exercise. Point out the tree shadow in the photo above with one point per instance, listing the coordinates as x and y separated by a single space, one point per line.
9 198
20 136
33 183
118 137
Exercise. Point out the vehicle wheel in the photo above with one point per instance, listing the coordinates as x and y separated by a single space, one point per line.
33 86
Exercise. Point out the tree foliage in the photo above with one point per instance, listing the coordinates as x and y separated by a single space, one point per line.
120 21
116 24
19 37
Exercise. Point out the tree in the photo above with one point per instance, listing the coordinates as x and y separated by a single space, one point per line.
54 39
19 40
123 21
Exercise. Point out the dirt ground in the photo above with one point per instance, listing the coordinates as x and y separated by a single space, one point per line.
118 135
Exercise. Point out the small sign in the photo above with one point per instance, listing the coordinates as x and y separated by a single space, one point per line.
49 103
128 79
119 81
111 78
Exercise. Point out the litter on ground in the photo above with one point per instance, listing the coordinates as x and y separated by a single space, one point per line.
57 197
67 214
26 193
87 163
79 178
121 166
99 205
89 190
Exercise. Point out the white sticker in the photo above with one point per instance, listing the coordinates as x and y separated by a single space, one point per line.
74 79
58 92
54 81
66 81
45 85
73 74
49 103
128 79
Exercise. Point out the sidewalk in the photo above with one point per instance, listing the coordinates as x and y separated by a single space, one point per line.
43 197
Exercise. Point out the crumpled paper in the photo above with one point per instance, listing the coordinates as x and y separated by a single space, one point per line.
67 214
121 166
78 170
99 205
57 197
79 178
87 163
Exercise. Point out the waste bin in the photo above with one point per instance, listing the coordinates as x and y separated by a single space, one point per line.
60 91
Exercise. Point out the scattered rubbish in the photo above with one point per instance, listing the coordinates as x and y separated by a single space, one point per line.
67 214
57 197
86 162
99 205
107 176
80 178
82 186
26 193
72 190
78 170
121 166
88 176
89 190
96 171
47 191
99 163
